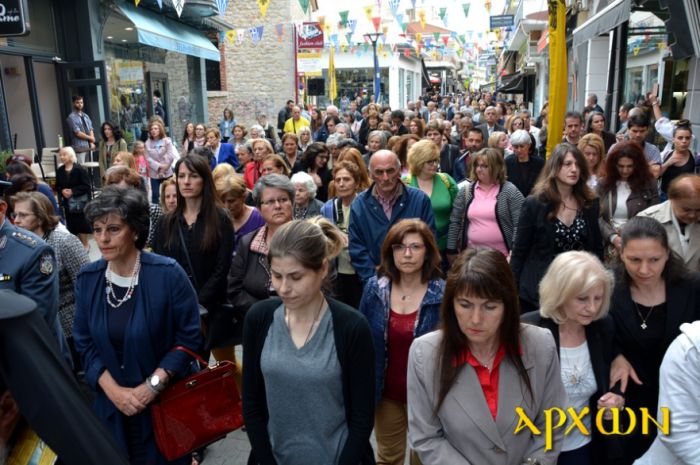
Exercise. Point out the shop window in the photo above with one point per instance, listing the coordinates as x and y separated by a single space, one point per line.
213 71
634 85
675 87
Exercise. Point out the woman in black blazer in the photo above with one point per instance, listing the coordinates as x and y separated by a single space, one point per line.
574 301
653 296
560 215
73 188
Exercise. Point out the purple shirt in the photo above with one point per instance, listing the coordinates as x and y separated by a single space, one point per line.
255 221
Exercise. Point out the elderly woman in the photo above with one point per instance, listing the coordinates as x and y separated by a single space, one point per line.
306 204
523 168
466 379
593 148
626 188
305 138
249 277
654 294
132 308
261 149
574 301
333 146
486 212
315 163
33 212
232 193
560 215
680 217
274 164
160 155
346 182
73 188
245 156
401 302
375 141
423 163
308 383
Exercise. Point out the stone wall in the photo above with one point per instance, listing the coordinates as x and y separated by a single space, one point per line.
256 78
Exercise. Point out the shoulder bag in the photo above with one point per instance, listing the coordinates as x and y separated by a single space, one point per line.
224 323
197 410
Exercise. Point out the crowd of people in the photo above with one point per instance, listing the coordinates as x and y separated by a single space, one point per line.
418 272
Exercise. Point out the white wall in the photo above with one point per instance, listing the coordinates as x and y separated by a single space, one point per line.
17 101
597 68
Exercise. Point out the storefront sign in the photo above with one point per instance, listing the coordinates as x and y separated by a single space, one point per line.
309 63
310 35
130 71
502 21
14 19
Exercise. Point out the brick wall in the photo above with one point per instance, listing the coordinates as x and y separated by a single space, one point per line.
257 78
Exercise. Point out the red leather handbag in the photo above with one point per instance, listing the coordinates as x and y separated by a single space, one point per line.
197 410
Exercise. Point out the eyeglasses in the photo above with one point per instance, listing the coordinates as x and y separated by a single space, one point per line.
20 215
401 248
433 162
281 201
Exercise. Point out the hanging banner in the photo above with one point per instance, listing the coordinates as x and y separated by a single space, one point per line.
368 12
220 4
348 38
256 33
443 13
344 17
399 18
352 24
376 21
404 27
445 39
179 5
309 63
558 73
333 86
421 18
436 35
279 30
310 35
230 36
262 5
240 35
419 37
394 7
304 5
465 8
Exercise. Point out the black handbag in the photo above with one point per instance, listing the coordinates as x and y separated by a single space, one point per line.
224 322
77 203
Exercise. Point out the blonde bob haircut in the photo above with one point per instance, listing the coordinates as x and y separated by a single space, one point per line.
222 170
495 139
569 275
421 153
265 142
494 159
231 185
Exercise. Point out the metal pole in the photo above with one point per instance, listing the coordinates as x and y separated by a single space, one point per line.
377 85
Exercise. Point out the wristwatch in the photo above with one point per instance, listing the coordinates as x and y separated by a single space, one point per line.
155 384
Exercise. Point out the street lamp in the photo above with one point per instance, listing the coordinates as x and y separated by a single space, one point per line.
374 37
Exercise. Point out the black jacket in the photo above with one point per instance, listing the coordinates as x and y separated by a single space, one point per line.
484 128
534 246
355 351
448 154
211 267
249 277
600 336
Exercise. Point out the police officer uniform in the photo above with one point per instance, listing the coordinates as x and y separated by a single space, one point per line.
28 267
45 390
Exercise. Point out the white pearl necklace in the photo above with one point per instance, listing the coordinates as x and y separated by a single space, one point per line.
112 299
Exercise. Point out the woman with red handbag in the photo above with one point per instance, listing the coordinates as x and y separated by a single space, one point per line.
132 308
308 383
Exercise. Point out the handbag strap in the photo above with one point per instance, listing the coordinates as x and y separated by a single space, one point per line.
187 254
194 355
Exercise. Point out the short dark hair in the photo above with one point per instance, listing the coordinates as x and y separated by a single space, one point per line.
641 121
129 203
573 114
203 151
75 98
626 107
397 114
431 265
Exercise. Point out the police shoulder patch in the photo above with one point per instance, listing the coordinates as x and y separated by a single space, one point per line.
46 264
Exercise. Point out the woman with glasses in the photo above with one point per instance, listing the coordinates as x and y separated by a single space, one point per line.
423 163
401 302
486 212
249 279
522 166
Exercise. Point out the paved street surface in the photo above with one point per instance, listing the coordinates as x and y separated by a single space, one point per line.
232 450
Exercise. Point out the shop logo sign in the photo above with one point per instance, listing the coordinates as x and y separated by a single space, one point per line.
13 18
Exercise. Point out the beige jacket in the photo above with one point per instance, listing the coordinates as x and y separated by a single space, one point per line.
664 215
464 432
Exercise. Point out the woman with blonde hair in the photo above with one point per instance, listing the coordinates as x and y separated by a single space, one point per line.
222 170
232 192
499 140
274 164
593 148
423 163
575 295
168 195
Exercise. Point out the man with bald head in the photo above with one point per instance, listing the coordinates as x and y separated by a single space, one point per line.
680 216
377 209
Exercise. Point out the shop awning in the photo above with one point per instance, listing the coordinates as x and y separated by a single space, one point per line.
512 84
604 21
160 32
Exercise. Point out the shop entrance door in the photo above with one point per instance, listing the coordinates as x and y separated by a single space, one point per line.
88 79
159 101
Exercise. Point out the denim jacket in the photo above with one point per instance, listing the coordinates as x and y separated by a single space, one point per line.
376 305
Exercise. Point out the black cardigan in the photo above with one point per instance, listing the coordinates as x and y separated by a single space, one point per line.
356 356
534 245
600 336
211 268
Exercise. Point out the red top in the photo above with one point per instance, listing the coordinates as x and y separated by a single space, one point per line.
399 339
487 379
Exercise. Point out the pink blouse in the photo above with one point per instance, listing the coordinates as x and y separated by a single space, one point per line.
482 227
